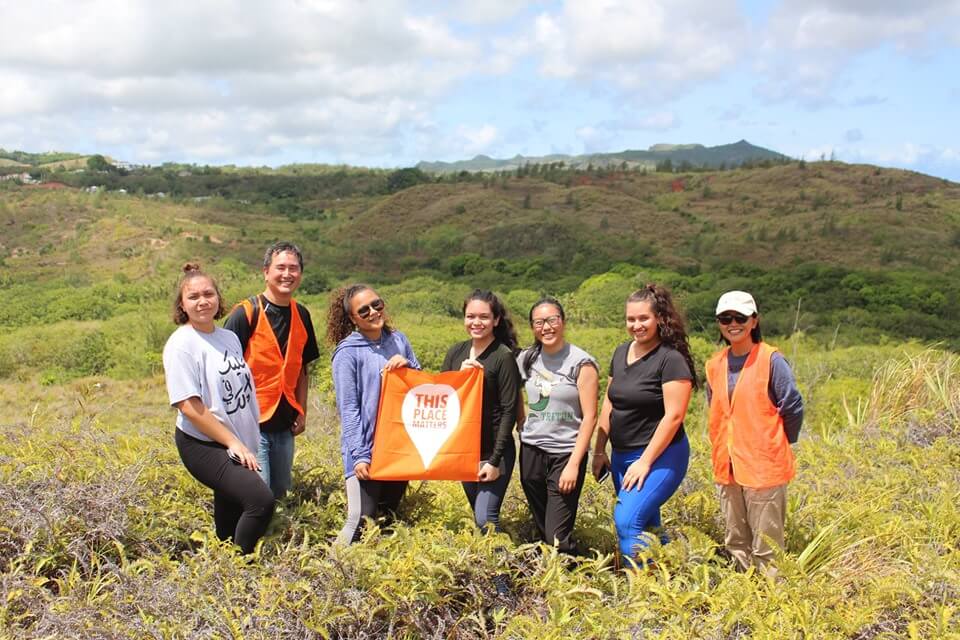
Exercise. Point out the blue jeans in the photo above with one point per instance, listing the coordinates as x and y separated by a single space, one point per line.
275 457
486 498
638 510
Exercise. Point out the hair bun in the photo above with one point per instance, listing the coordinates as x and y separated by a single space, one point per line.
190 267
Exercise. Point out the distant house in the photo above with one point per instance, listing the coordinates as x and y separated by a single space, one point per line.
19 177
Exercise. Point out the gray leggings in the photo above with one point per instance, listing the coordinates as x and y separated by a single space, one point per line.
369 499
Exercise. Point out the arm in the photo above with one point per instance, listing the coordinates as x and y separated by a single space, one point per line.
508 385
448 360
676 397
784 393
412 361
588 385
303 385
403 359
208 424
521 411
346 385
600 459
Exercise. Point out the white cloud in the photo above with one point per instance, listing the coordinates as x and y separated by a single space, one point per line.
659 121
651 47
485 12
853 135
861 24
478 140
809 44
594 139
217 78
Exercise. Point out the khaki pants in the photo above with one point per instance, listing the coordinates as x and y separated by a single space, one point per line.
754 518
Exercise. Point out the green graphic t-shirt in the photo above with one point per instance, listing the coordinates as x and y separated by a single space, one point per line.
553 401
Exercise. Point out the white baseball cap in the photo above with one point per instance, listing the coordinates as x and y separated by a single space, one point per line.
739 301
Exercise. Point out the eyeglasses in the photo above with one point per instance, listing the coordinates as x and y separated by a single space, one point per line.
374 305
553 321
726 319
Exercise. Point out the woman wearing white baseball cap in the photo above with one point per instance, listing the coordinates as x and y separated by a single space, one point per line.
755 413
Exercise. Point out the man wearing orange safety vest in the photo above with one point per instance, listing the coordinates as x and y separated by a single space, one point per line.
278 342
754 415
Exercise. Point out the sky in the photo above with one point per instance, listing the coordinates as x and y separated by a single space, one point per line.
393 82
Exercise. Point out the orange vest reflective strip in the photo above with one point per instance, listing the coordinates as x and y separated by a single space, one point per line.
274 374
749 445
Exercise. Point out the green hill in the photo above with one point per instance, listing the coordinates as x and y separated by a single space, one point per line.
105 534
37 159
694 155
864 251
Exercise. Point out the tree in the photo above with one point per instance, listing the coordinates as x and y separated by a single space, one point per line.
99 163
405 178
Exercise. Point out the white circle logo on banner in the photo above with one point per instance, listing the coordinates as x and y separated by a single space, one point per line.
430 414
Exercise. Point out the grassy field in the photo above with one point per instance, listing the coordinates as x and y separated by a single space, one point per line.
105 535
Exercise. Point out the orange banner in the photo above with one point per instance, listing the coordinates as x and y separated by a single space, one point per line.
428 426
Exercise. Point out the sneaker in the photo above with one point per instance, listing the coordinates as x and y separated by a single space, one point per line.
502 584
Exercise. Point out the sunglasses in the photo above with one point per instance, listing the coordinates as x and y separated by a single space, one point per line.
726 319
375 305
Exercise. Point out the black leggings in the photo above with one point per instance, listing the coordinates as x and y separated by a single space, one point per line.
242 503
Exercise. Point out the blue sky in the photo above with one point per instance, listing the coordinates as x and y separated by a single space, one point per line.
392 82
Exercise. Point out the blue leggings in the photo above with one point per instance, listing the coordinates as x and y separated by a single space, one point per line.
486 498
638 510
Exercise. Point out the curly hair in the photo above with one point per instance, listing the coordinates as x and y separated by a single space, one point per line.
339 322
671 326
192 270
504 331
537 346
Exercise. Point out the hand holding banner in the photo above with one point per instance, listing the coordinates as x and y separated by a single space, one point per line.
428 426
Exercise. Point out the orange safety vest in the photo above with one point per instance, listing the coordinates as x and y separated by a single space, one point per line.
750 447
273 373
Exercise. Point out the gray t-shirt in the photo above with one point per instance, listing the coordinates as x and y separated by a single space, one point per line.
553 400
210 366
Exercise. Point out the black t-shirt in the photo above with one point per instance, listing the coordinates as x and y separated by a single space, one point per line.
501 387
636 394
279 317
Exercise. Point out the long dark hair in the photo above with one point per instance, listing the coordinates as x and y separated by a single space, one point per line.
192 270
503 331
339 322
670 323
534 351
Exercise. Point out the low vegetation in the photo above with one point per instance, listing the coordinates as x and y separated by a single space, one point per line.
103 534
106 535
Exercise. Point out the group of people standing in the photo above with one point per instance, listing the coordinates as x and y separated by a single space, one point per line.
241 396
